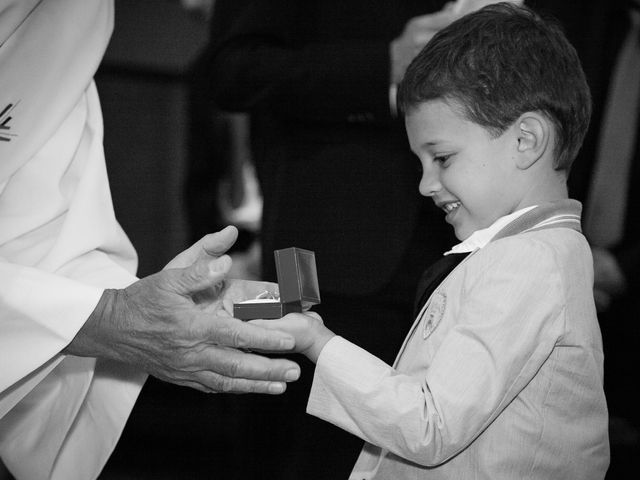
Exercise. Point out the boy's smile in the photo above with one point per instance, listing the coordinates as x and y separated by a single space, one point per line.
469 174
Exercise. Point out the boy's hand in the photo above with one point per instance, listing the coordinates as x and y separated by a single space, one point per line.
307 329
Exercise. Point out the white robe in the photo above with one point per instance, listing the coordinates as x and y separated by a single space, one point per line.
60 244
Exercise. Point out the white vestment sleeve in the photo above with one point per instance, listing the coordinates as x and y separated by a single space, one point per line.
60 244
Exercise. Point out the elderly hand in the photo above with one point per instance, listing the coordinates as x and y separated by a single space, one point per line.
219 299
172 325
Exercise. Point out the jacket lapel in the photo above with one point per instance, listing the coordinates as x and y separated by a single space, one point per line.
559 214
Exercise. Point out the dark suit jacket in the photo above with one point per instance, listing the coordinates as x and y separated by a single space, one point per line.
335 167
597 29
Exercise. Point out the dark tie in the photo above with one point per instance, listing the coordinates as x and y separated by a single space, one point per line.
433 276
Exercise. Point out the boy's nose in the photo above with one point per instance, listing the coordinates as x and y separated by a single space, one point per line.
430 181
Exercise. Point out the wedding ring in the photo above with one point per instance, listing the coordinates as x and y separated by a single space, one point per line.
266 294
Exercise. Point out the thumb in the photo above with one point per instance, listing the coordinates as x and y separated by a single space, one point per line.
203 274
218 243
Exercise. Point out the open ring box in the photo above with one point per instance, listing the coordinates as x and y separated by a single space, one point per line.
297 282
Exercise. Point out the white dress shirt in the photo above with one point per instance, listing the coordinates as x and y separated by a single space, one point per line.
480 238
60 244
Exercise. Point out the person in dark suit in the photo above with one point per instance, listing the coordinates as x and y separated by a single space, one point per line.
614 33
338 178
600 30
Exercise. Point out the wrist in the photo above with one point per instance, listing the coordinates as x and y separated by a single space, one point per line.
89 341
322 338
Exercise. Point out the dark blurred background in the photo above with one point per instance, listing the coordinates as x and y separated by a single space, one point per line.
143 84
161 134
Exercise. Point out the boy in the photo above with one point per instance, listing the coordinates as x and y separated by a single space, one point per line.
500 377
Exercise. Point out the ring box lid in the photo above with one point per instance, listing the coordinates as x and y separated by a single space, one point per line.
297 276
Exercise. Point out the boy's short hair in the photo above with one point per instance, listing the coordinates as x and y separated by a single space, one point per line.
498 63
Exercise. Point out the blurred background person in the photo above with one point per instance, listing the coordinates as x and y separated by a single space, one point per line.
605 34
604 177
220 187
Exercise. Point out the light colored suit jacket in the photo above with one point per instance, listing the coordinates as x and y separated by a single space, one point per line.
500 376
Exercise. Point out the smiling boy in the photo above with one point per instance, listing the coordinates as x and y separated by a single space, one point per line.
500 376
476 178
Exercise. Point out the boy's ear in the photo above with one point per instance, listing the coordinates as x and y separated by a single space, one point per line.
533 132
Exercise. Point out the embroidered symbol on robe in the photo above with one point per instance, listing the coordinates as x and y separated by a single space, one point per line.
5 119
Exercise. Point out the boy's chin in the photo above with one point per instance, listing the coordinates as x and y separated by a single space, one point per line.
461 232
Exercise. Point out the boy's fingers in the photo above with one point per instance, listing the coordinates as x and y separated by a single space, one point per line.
260 322
313 314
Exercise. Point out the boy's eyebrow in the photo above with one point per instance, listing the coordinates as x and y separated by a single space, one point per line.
431 143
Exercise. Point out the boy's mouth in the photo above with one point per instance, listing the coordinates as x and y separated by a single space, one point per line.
450 207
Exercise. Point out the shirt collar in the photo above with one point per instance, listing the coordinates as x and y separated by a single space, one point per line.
480 238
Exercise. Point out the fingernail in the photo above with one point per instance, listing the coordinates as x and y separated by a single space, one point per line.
277 387
292 375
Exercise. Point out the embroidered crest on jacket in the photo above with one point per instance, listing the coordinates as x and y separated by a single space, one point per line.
434 313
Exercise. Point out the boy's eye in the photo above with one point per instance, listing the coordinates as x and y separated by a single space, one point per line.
442 159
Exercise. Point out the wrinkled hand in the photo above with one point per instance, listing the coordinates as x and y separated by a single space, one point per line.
608 278
209 246
308 329
419 30
219 300
171 325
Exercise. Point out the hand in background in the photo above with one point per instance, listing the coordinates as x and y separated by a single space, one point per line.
609 280
171 325
462 7
308 329
419 30
416 34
